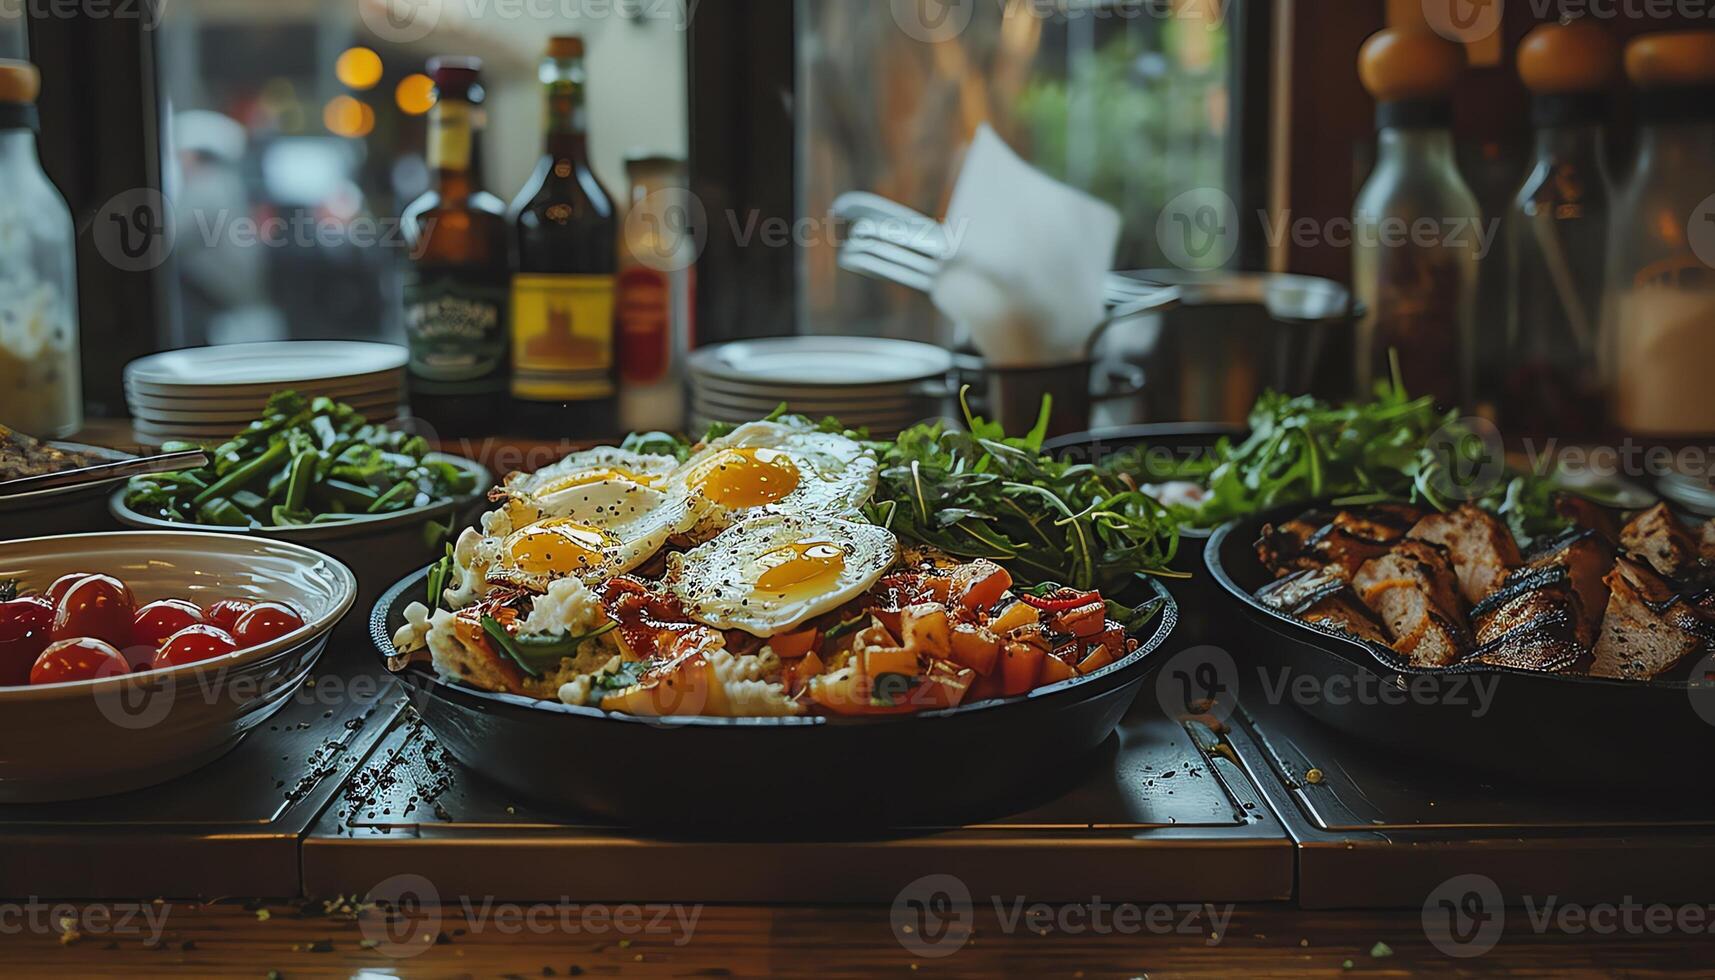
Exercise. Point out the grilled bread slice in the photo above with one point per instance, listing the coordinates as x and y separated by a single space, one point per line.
1482 549
1414 592
1658 537
1342 543
1323 599
1650 627
1586 557
1534 621
1587 515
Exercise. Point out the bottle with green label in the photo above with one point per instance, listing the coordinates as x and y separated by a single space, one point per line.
456 290
565 237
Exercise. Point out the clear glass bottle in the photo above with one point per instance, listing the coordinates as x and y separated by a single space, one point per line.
1660 322
1418 233
41 392
1557 234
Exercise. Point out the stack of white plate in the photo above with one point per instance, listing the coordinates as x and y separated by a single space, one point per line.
206 394
869 382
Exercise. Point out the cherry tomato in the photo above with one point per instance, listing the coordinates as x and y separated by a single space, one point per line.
63 584
98 606
193 644
80 659
225 613
266 621
24 625
161 619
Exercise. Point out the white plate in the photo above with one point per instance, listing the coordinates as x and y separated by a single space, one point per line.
810 406
208 419
231 398
818 363
281 363
259 394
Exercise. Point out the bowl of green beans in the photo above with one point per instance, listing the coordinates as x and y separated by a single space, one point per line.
316 472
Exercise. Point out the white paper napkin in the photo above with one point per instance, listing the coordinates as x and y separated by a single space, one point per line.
1030 255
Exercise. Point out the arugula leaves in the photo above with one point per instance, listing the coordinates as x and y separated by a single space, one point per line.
1393 447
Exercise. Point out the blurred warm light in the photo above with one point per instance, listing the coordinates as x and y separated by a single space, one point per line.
358 68
415 94
346 116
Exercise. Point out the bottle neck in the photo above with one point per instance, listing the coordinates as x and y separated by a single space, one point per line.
1427 146
567 120
1569 143
452 142
17 147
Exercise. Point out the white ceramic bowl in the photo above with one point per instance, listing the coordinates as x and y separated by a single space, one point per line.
80 739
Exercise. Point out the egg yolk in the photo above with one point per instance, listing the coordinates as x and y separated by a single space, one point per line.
747 477
556 547
601 474
803 567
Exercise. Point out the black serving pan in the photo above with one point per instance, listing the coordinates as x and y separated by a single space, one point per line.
803 776
1528 725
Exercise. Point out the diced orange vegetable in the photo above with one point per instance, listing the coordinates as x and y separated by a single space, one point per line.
1055 670
1014 616
985 688
1097 658
791 646
940 587
798 675
975 647
690 689
877 661
888 618
945 687
844 692
1020 665
1085 621
924 628
874 636
980 584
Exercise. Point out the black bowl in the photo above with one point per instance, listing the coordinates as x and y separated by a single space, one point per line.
807 776
1539 727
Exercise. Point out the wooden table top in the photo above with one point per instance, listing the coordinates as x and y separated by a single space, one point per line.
497 940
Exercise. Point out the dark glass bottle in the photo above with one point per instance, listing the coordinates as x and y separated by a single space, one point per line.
1557 232
456 290
565 237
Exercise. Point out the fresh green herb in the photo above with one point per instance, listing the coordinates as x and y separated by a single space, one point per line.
1300 449
840 629
304 462
536 655
8 590
979 494
439 573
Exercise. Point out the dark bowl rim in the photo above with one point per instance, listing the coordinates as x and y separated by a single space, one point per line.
1360 653
1091 685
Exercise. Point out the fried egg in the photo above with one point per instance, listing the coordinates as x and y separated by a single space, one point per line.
771 573
772 468
590 516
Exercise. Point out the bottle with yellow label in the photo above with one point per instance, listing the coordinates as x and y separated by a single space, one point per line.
564 236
